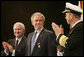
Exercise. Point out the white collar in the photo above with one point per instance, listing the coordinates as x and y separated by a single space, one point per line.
39 30
76 23
19 39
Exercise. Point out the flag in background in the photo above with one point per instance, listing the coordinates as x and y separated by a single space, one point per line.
80 4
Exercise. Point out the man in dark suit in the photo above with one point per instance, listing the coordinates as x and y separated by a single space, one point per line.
44 43
12 47
73 42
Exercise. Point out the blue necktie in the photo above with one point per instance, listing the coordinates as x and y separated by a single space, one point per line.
33 41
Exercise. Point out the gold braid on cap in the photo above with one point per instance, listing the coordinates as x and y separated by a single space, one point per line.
66 11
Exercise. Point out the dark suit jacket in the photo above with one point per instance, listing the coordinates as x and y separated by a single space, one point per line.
20 50
74 45
46 41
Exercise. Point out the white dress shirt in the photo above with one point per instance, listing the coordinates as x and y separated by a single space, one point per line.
38 33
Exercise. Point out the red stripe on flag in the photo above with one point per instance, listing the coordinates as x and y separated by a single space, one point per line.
81 4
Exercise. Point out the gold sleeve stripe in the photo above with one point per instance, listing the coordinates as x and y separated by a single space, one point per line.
62 40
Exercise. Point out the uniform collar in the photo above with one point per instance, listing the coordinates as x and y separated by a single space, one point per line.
76 23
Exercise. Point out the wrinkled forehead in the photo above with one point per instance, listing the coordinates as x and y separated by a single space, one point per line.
18 26
38 17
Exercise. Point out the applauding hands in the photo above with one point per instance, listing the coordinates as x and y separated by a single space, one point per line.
57 29
7 46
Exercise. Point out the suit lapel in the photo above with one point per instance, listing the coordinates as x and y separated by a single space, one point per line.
21 42
29 43
13 43
37 44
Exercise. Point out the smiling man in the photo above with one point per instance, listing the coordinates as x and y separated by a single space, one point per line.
16 46
41 41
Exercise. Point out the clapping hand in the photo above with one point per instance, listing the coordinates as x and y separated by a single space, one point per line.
7 46
57 29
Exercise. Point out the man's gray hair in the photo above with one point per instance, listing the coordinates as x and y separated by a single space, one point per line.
37 14
19 23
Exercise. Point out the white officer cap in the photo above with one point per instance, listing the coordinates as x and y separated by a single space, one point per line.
70 8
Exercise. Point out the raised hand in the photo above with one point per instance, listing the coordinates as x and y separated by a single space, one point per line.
7 46
57 29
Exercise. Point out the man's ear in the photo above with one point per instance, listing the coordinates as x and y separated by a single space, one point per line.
71 15
32 23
